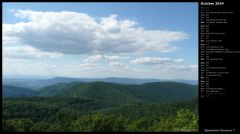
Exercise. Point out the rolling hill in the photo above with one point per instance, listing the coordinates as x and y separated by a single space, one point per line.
55 89
12 91
112 92
37 84
123 93
101 106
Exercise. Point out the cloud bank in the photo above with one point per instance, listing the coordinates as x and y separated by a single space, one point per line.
90 46
155 61
79 33
27 52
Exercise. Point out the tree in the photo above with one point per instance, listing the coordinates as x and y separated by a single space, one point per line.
19 125
186 120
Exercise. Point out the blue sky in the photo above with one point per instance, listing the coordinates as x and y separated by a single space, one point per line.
162 41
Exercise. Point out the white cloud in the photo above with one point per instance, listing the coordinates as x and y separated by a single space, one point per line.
79 33
109 58
108 42
174 70
154 61
94 58
116 63
27 52
87 65
178 60
113 62
181 68
166 68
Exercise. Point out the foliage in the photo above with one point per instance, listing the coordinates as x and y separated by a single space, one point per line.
20 115
93 110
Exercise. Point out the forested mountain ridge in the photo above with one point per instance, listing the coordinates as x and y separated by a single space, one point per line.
37 84
55 89
123 93
13 91
119 93
102 106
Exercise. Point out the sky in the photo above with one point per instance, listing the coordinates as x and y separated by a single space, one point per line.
97 40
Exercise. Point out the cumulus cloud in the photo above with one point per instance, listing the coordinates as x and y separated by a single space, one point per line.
87 65
113 61
107 42
118 65
166 67
94 58
77 68
117 69
154 61
79 33
27 52
109 58
182 68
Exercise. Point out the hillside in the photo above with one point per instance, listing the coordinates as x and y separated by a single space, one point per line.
111 92
37 84
123 93
101 106
13 91
55 89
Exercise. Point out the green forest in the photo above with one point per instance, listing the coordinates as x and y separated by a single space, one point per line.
101 106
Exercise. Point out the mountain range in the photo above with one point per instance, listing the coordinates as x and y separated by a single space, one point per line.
13 91
36 84
78 106
111 92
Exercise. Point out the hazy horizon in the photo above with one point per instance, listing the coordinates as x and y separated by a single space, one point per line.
50 77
